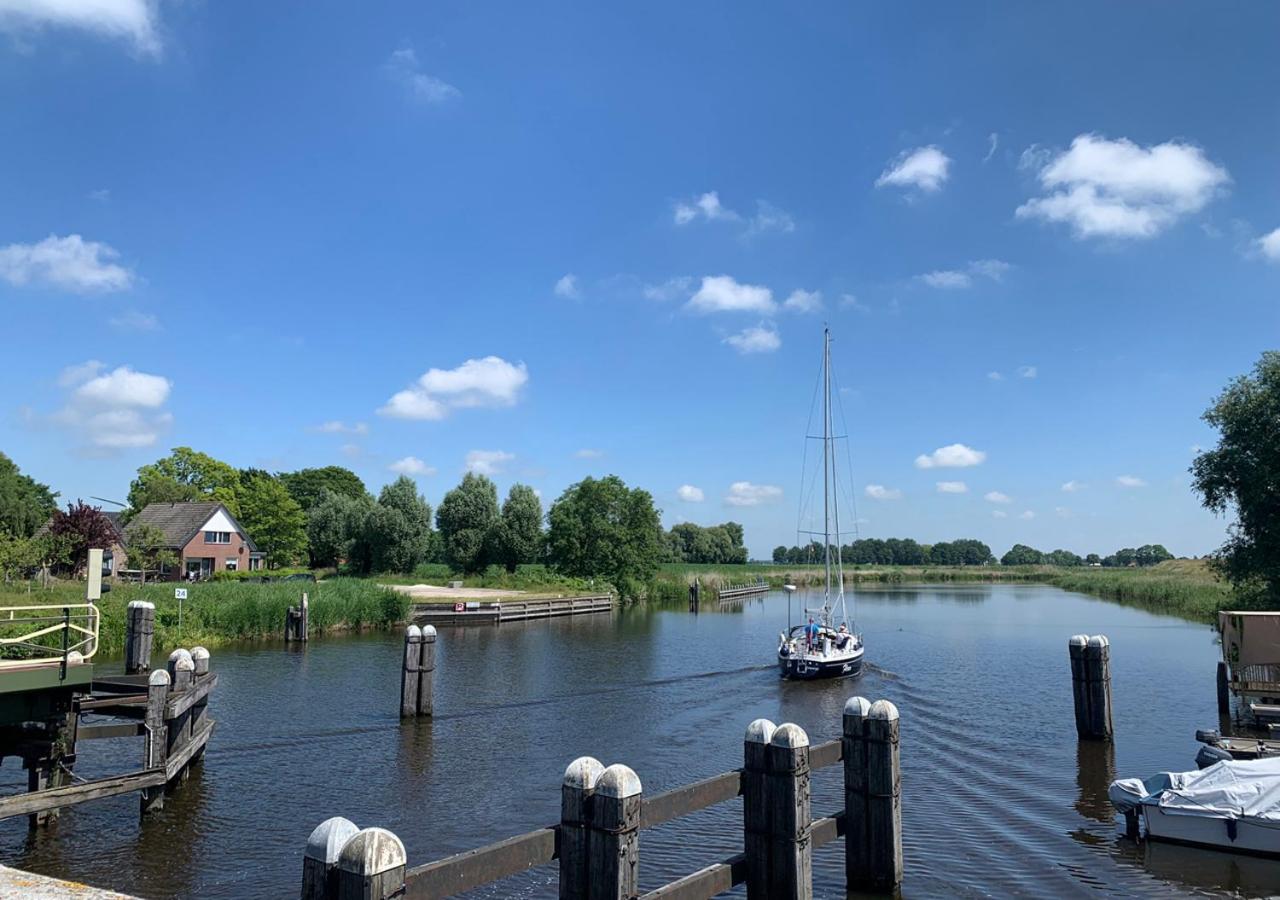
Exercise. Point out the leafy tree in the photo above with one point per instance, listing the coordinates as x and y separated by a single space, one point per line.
273 519
466 515
1151 554
145 547
601 528
399 528
1063 558
1093 559
183 475
717 544
780 554
307 485
25 504
20 555
1022 555
81 528
336 527
517 535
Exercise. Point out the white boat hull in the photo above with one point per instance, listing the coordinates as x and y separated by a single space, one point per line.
1212 831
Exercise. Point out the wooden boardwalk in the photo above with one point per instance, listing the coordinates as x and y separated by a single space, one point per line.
479 612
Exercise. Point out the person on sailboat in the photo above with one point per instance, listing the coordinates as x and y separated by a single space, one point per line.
811 634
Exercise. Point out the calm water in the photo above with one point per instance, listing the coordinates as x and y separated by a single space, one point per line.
998 798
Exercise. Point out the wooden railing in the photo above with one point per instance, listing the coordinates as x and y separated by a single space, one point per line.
66 629
603 810
747 589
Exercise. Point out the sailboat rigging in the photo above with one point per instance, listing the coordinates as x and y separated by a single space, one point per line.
827 645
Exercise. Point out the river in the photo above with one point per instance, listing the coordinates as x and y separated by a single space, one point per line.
998 796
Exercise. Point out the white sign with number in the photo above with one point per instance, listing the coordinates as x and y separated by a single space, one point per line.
179 593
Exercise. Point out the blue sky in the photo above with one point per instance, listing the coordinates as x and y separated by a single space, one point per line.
552 240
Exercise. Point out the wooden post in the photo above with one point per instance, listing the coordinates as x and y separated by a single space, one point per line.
296 621
613 836
427 672
409 672
156 743
884 797
140 627
1224 690
755 812
320 861
857 848
371 866
1097 665
576 790
200 709
179 727
304 616
1079 689
790 815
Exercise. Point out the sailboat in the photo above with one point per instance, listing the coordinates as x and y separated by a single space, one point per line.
827 644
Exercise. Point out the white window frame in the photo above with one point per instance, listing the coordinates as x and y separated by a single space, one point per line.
216 537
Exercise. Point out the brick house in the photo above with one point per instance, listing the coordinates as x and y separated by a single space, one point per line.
205 537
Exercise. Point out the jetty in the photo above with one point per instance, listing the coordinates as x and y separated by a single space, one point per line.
756 588
517 609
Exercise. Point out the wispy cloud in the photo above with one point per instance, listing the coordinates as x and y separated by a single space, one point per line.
588 453
1026 514
68 263
996 497
1130 481
952 456
133 320
744 493
924 168
134 21
336 426
995 376
880 492
115 409
671 289
993 141
1027 372
708 208
722 293
411 465
802 301
690 494
763 338
993 269
952 487
567 286
488 462
850 301
403 68
1269 246
487 382
1071 487
1117 189
999 514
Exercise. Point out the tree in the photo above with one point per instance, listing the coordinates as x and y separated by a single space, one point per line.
307 485
273 519
336 526
25 504
1151 554
145 547
20 555
1063 558
1022 555
465 517
780 554
602 528
517 535
399 528
1093 559
81 528
183 475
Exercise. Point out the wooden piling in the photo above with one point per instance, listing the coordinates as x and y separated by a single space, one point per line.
884 798
320 861
140 627
853 751
1079 688
371 866
411 663
1224 690
200 709
790 815
1091 686
297 621
613 836
756 828
576 791
156 741
427 672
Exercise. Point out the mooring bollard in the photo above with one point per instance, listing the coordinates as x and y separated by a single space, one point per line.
790 816
695 592
427 672
576 791
1224 690
156 740
139 632
296 621
755 810
1091 685
182 669
884 797
613 835
370 866
320 861
857 834
411 662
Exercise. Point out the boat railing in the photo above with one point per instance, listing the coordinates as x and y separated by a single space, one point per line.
47 634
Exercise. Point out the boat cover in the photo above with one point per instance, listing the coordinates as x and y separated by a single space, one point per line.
1231 789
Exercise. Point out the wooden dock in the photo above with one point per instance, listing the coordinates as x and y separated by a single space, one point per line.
756 588
480 612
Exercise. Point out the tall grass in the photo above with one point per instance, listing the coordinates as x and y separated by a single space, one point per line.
217 612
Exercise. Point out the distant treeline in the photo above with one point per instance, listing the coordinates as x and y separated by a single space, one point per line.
1146 555
963 552
721 544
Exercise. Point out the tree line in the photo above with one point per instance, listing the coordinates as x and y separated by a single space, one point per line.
1146 555
890 552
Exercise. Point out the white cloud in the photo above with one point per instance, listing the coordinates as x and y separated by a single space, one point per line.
70 263
993 269
708 208
113 410
993 141
1117 189
491 381
999 514
1062 512
102 195
802 301
1072 486
1269 246
411 465
567 286
947 278
1026 514
760 339
1130 481
133 320
1027 372
671 289
952 456
351 451
136 21
880 492
488 462
744 493
402 66
924 168
995 376
996 497
588 453
721 293
952 487
849 301
339 427
690 494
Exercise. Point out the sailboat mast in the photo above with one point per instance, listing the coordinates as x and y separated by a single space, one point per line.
826 462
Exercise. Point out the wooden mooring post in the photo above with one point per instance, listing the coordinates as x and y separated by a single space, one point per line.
695 594
786 790
1224 689
156 738
296 622
873 795
1091 685
417 672
140 628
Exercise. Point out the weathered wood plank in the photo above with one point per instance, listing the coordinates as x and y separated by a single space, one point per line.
26 804
690 798
475 868
826 754
181 701
714 879
103 704
113 730
178 761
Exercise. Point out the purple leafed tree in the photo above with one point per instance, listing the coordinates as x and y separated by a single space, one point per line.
79 529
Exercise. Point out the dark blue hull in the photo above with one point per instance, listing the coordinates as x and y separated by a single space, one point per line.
813 670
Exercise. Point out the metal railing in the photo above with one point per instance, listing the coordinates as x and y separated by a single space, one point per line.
65 628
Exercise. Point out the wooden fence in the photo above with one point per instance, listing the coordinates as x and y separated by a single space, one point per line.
495 612
603 810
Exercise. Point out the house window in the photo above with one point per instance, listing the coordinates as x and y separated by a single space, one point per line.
217 537
108 563
255 562
232 563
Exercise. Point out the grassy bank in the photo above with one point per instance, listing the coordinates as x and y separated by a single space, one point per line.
217 612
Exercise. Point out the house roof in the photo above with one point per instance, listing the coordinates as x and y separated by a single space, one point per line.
180 522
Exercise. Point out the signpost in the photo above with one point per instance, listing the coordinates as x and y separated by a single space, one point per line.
180 594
